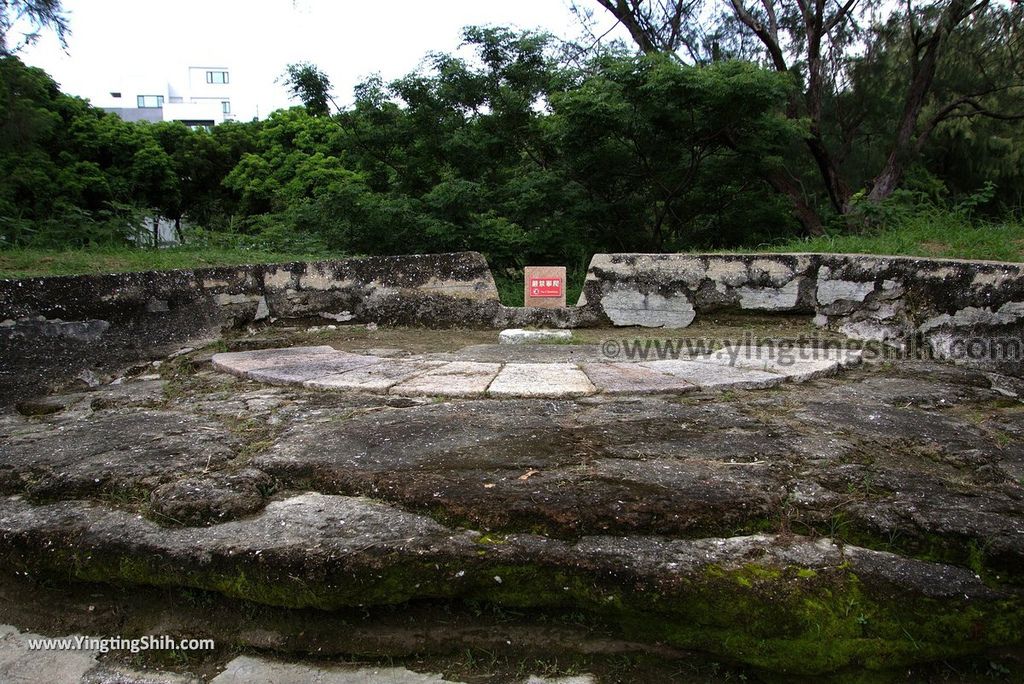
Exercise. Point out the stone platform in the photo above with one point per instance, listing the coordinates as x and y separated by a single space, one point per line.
855 520
539 371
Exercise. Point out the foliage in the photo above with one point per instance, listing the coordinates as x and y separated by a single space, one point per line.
876 81
38 15
310 86
523 160
75 176
695 139
520 149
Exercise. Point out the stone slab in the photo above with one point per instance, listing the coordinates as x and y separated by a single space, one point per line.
520 336
716 376
799 371
377 378
632 378
798 365
534 370
455 379
311 369
547 380
19 664
240 362
626 306
780 298
831 291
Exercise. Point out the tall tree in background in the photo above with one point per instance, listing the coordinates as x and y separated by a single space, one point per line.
975 53
311 86
38 15
823 44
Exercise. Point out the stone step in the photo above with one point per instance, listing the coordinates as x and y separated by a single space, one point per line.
759 599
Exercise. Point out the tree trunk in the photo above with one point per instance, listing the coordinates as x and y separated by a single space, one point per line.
905 145
156 232
835 186
805 213
621 11
838 190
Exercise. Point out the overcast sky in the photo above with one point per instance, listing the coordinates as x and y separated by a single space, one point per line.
348 39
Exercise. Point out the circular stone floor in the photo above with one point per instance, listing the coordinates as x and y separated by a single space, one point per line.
543 371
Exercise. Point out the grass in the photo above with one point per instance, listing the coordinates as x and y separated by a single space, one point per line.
26 262
939 236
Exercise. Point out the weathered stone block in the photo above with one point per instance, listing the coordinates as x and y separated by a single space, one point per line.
625 306
520 336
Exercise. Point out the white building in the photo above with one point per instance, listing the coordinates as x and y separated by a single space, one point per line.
201 98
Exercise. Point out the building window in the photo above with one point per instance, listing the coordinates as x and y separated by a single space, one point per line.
216 77
115 94
198 124
225 106
150 101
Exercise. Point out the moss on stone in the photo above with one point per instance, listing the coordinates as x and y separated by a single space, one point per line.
790 619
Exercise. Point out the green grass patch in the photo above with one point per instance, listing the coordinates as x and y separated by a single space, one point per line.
937 236
27 262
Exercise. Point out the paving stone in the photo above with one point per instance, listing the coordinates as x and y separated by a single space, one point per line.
792 372
632 378
377 378
532 370
240 362
455 379
311 369
716 376
553 380
798 365
18 664
787 355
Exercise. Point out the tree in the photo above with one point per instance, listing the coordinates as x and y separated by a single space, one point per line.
661 146
666 26
947 36
823 44
38 14
311 86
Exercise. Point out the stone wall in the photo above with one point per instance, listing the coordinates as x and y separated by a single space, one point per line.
941 305
53 328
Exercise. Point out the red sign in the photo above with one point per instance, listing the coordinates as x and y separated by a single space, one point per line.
545 287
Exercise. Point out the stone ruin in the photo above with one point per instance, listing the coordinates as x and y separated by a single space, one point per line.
338 459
